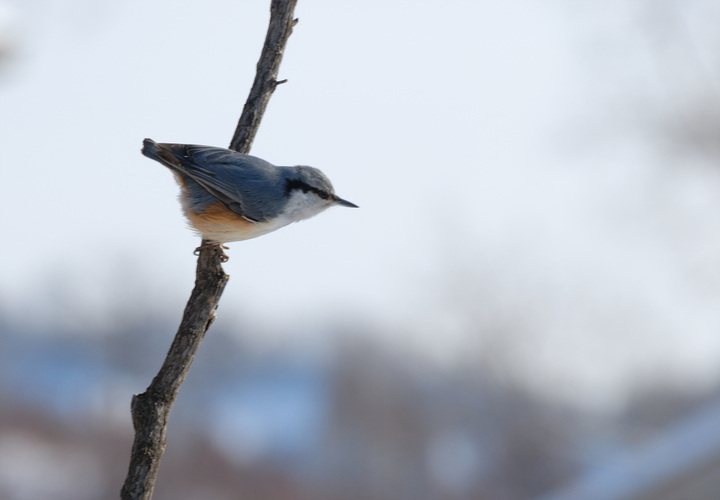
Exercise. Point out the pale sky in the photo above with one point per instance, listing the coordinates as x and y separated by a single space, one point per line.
513 199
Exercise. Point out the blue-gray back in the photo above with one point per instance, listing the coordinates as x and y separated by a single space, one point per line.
249 186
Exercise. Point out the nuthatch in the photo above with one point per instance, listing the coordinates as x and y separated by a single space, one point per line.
228 196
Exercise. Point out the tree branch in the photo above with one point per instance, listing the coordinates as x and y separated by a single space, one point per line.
280 29
151 409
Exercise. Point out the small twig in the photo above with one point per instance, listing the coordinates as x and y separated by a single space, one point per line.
151 409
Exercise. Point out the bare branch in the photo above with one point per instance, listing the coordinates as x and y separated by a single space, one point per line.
280 29
151 409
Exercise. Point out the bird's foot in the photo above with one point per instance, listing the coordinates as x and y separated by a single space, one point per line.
206 244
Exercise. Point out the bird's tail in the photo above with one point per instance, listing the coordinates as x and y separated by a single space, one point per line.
169 155
150 149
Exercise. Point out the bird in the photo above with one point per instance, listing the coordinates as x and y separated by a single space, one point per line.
228 196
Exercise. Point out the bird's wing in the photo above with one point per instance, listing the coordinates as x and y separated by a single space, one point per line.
249 186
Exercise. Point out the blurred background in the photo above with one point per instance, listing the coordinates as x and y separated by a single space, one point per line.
525 307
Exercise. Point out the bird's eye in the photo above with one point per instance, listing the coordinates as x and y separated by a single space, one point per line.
302 186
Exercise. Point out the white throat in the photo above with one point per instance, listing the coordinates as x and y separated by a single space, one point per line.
302 205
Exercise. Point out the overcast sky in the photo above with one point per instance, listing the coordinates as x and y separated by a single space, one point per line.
514 195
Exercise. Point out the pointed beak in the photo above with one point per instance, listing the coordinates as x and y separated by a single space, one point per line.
345 203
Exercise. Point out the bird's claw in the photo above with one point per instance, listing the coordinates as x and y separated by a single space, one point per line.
223 258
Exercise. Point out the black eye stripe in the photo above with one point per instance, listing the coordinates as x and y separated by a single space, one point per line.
291 184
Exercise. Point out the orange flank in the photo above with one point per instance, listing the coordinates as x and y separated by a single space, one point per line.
218 222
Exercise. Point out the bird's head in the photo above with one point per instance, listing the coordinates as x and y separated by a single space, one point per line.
309 192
